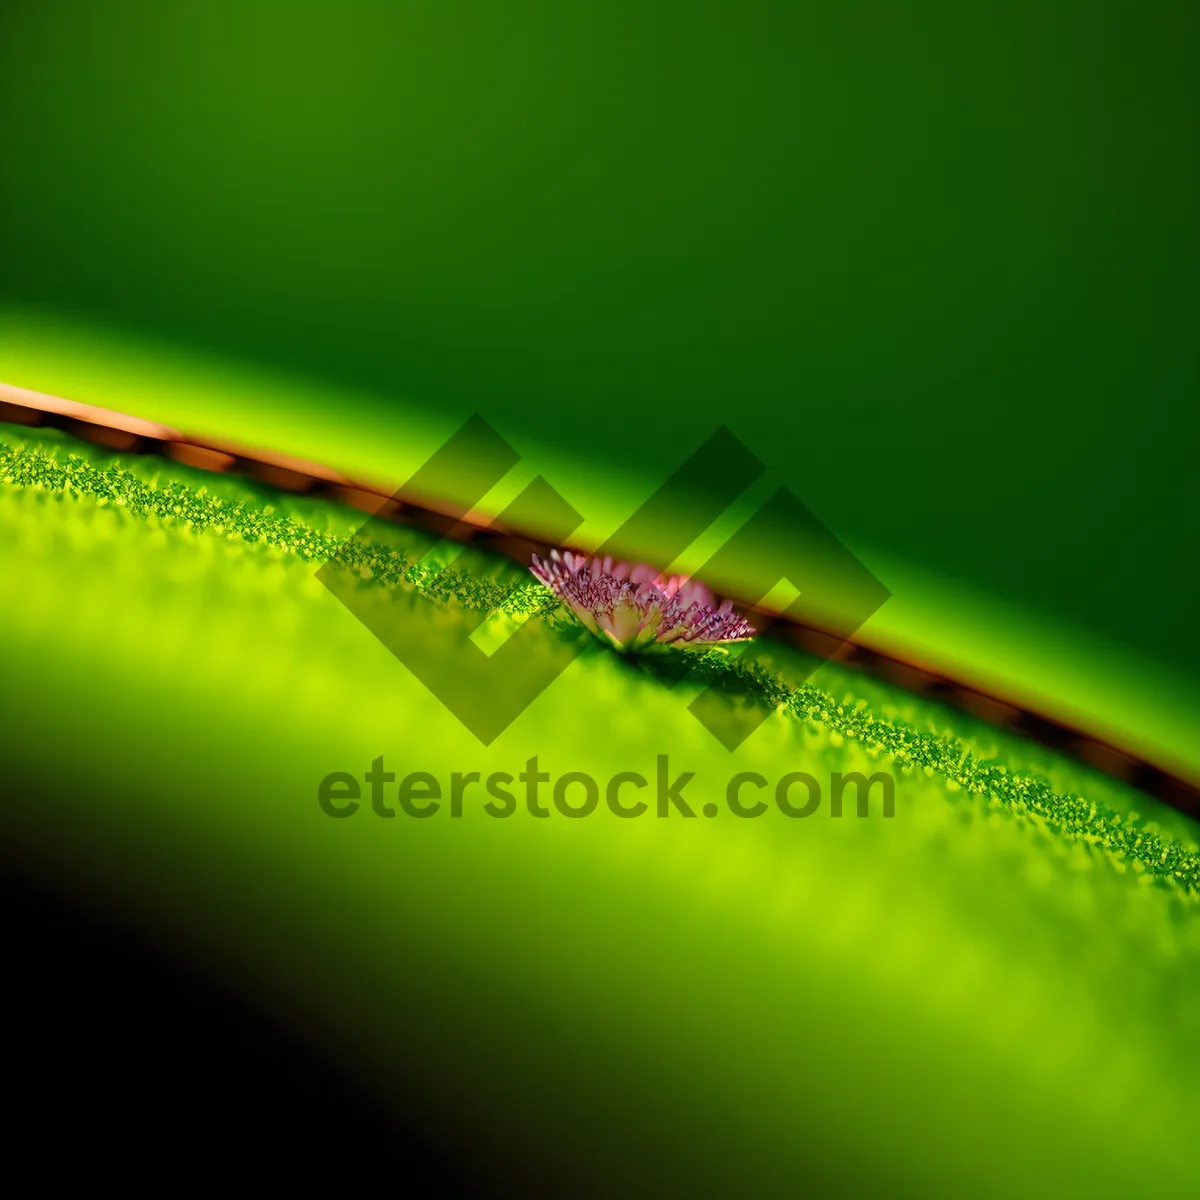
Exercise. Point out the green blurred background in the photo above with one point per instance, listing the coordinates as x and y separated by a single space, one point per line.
946 257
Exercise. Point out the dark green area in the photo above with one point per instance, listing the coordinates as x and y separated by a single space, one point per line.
947 256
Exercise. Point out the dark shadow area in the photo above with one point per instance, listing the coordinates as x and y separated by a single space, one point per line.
121 1069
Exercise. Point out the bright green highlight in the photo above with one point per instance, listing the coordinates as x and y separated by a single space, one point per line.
1139 702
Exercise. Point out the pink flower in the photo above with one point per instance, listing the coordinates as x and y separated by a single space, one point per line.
635 607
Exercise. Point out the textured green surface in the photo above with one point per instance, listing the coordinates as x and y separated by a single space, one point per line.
236 513
995 990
